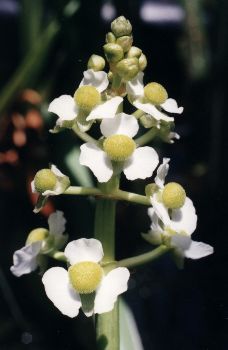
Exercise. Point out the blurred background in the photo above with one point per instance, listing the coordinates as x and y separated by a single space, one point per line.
45 46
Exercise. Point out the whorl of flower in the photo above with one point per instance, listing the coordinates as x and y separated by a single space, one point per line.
39 240
85 284
119 147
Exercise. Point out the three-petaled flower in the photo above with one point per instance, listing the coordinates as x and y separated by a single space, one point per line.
40 240
119 149
87 103
174 227
151 98
85 284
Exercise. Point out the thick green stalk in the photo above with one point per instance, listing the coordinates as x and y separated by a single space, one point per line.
107 324
147 137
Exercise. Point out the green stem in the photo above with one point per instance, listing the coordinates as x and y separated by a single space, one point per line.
83 135
57 255
114 195
147 137
107 324
138 114
144 258
116 82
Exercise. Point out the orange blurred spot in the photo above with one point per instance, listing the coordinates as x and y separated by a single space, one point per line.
18 121
19 138
31 96
33 119
11 156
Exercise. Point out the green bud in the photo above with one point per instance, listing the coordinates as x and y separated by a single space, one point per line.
125 42
150 189
128 68
113 52
134 52
38 234
110 38
173 195
142 62
44 180
121 26
110 76
96 63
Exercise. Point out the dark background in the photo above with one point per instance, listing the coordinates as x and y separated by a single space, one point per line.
45 47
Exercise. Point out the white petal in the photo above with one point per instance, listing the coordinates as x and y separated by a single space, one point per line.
152 110
97 79
56 222
56 171
58 289
172 136
182 243
198 250
162 172
185 218
155 226
97 160
141 164
122 124
160 209
84 250
170 105
135 86
65 108
25 259
112 285
33 187
105 110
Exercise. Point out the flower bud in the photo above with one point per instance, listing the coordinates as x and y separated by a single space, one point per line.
150 189
128 68
134 52
110 76
45 180
142 62
173 195
110 38
125 42
121 26
38 234
96 63
113 52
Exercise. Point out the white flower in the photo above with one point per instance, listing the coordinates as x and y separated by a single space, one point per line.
137 163
66 108
39 240
174 226
62 182
84 284
135 89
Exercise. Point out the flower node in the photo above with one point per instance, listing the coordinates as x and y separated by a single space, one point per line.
173 195
155 93
45 180
87 97
85 276
38 234
119 147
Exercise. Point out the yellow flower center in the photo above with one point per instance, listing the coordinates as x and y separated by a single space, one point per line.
45 180
85 276
38 234
155 93
173 195
119 147
87 97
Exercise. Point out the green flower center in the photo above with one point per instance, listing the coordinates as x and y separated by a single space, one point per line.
45 180
85 276
87 97
173 195
155 93
38 234
119 147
